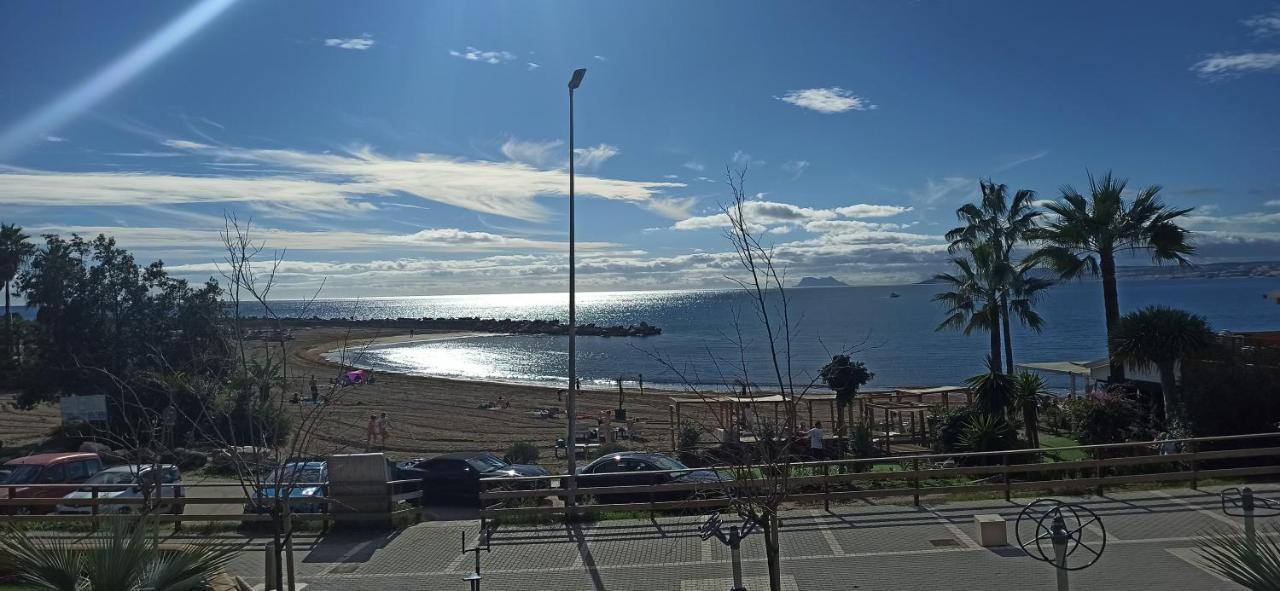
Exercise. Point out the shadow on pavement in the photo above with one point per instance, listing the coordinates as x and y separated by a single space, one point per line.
350 546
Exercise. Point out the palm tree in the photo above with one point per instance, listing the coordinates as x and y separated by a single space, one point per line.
1004 223
993 391
844 376
122 558
1161 337
974 300
1089 232
14 251
1028 388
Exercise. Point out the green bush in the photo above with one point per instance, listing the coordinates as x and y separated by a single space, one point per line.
987 433
948 426
690 434
1106 418
521 452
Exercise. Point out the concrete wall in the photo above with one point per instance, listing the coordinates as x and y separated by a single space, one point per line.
358 484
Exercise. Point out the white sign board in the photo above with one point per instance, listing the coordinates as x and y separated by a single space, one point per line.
84 408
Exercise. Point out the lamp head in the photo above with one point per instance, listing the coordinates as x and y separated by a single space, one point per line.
576 80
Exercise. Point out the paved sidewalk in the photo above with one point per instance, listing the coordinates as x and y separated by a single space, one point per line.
1151 541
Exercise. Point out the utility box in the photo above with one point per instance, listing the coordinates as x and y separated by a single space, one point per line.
991 530
358 492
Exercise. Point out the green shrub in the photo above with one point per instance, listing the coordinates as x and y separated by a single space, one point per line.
987 433
1106 418
948 426
690 434
521 452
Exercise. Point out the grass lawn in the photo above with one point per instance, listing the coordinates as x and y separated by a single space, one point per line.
1048 440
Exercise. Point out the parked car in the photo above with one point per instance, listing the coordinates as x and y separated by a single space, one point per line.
638 468
302 480
455 477
4 474
128 482
27 474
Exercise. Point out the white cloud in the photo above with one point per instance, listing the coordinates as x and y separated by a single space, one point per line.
1273 203
360 43
1020 160
827 100
865 210
306 182
480 55
600 58
768 214
592 157
1264 25
1223 65
670 176
432 239
532 66
935 191
55 139
545 154
694 165
795 167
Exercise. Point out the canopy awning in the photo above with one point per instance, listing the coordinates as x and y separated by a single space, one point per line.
1078 368
933 390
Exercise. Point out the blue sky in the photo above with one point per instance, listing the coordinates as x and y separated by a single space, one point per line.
414 148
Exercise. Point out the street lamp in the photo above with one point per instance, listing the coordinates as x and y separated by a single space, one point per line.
572 405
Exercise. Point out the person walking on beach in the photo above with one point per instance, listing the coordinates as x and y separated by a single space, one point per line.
384 428
815 441
315 390
371 432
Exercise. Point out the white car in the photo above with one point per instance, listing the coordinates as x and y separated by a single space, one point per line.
125 482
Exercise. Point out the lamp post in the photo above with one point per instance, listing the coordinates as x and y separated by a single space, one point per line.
572 405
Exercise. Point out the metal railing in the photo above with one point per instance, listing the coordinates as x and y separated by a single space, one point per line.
1103 465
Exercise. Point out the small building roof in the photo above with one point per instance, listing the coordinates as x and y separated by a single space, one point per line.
1080 368
933 390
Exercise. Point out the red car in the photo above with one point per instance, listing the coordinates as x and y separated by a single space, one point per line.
27 474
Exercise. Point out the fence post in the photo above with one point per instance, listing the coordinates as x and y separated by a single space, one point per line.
1195 468
826 487
915 481
1004 460
1098 468
92 509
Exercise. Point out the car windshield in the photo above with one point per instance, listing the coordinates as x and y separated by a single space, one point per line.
665 463
23 474
487 463
294 474
113 478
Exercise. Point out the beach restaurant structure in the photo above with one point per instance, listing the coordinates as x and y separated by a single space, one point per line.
902 414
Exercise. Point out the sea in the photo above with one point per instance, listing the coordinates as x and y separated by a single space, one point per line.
713 338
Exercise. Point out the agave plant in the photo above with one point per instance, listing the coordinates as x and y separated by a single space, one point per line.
987 433
1255 568
120 559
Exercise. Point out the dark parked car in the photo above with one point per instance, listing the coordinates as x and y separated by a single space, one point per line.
455 477
300 480
638 468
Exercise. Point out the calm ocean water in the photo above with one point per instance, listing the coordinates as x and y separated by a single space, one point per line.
894 336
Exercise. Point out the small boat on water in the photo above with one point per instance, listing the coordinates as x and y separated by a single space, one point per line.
894 294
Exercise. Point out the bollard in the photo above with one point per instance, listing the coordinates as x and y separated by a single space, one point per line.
735 542
1250 535
1060 537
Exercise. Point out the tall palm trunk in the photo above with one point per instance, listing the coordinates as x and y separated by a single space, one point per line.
994 330
1111 301
1168 386
8 324
1008 339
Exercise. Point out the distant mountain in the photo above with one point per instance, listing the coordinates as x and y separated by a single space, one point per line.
1200 271
821 282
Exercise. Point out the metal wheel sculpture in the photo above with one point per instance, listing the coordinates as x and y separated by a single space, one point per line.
1064 526
1239 502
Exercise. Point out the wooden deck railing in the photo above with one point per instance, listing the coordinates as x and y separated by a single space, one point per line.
832 480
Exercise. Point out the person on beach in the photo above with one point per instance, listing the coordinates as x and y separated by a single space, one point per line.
371 432
384 428
815 441
315 390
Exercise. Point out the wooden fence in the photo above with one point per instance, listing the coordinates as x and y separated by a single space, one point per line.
826 481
